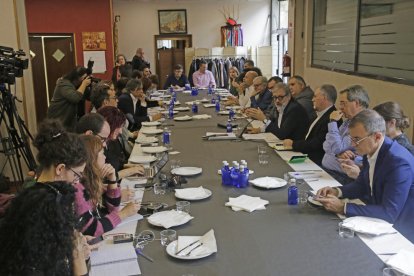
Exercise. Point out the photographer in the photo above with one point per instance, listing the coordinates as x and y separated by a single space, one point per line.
68 93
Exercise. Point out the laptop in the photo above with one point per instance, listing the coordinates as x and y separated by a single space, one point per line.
153 171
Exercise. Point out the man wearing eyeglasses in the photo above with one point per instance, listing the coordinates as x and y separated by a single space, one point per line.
94 124
290 122
352 100
261 97
324 104
386 182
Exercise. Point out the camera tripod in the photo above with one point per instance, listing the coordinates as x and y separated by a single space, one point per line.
14 136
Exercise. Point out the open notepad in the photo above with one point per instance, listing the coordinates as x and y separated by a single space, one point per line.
114 259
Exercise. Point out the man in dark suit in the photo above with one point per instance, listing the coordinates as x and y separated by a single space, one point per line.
386 182
261 97
290 120
134 105
324 103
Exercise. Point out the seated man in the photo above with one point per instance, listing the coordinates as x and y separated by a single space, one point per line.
203 78
290 120
303 95
246 89
386 182
261 97
176 80
323 102
134 105
352 100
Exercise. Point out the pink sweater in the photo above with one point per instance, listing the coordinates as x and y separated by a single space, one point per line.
96 222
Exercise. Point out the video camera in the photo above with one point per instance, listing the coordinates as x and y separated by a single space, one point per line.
11 65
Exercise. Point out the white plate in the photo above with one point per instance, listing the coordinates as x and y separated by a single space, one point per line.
314 202
146 140
224 112
207 191
141 159
172 249
281 183
167 112
182 108
165 96
186 171
204 100
182 217
156 123
153 149
176 103
233 107
152 131
183 118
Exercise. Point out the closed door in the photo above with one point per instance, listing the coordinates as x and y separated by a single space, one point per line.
54 57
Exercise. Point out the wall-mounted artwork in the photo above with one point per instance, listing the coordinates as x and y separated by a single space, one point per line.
172 21
92 41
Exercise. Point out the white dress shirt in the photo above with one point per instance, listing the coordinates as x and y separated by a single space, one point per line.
319 114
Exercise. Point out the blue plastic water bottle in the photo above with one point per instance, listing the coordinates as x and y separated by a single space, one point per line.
292 192
243 162
225 174
229 126
187 87
231 114
171 111
235 175
166 136
213 101
243 177
210 90
218 98
193 91
171 89
194 107
217 106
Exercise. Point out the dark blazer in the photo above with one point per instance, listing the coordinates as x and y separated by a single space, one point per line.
313 145
126 105
125 70
264 100
393 189
294 123
139 64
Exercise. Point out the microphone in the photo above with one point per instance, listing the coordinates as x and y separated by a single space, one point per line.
244 129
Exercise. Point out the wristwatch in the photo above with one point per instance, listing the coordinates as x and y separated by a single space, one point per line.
266 121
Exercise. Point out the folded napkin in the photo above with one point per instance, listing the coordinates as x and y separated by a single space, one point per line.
208 240
209 105
182 108
367 225
185 117
247 203
187 91
403 261
146 139
176 103
191 193
201 116
169 219
269 182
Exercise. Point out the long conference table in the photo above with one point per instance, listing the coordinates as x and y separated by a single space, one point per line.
281 240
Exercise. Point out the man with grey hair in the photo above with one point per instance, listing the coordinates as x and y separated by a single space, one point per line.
386 182
303 95
261 97
352 100
290 121
324 104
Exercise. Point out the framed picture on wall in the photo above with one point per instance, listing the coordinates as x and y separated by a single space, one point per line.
172 21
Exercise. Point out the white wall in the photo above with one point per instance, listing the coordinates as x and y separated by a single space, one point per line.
139 23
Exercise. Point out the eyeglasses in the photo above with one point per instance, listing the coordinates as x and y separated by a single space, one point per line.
78 176
280 98
103 139
358 141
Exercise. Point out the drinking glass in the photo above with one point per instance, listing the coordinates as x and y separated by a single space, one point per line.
168 236
345 232
175 164
183 206
159 189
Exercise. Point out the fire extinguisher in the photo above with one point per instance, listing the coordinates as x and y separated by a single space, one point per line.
286 65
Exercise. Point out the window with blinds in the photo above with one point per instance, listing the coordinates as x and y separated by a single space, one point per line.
374 38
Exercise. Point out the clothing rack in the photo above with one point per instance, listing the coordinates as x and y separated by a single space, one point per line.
220 56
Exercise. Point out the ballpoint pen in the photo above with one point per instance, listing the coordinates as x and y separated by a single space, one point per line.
139 252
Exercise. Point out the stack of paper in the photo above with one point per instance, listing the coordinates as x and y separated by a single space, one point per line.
403 261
